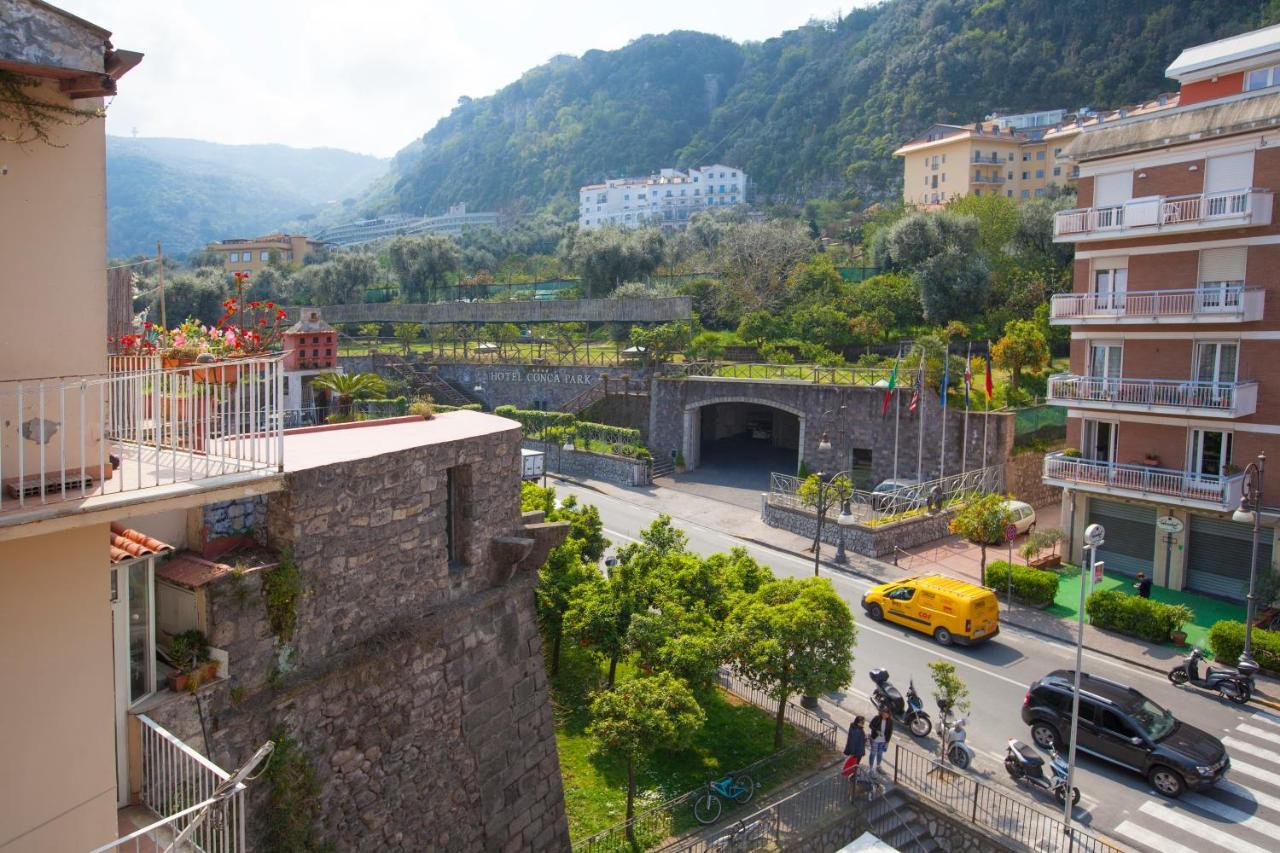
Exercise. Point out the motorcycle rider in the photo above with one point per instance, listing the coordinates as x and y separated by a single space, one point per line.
881 731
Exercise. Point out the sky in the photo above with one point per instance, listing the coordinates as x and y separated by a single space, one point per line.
309 73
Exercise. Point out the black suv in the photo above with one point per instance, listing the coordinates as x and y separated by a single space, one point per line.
1120 725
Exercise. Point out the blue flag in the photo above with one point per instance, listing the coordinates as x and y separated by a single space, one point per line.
946 375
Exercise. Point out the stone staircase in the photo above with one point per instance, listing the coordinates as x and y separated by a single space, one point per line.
900 828
424 380
662 465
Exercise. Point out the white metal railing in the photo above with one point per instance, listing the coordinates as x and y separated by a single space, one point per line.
784 490
1213 302
1221 491
1251 204
1234 398
178 783
138 427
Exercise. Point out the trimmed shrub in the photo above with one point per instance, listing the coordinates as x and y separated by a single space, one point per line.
607 433
399 405
1035 587
534 421
1144 618
1226 638
469 407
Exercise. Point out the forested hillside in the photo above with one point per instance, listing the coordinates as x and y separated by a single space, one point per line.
814 112
186 192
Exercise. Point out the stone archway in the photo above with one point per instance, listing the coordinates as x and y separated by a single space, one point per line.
732 417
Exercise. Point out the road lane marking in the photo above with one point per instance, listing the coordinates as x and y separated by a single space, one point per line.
1259 733
1199 828
1265 717
1248 794
1232 814
1256 772
863 626
1251 750
1142 835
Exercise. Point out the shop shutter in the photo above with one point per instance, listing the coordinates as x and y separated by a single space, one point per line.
1229 173
1110 190
1129 547
1219 554
1218 265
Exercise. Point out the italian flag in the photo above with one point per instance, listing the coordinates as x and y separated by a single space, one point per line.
888 394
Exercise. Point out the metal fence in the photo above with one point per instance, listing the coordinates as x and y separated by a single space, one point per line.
1039 422
875 507
813 373
1023 825
486 352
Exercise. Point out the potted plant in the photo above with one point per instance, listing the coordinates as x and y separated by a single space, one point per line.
1151 460
1039 541
1071 452
1178 615
188 653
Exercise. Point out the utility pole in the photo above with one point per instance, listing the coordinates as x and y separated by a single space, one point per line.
160 266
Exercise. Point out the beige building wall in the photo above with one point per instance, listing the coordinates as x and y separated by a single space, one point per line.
53 237
58 784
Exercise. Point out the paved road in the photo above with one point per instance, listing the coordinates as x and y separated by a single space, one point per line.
1242 815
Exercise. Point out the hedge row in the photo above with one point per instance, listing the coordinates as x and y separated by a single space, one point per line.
623 441
607 433
1035 587
1138 617
469 407
400 405
1227 641
535 420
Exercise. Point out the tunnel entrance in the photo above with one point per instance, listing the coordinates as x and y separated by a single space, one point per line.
737 445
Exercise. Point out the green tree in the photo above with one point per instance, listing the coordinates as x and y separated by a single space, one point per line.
688 644
706 346
756 327
558 582
1023 347
347 387
983 522
756 260
941 250
344 279
948 689
423 265
812 488
607 257
370 330
639 717
660 343
792 636
406 334
997 217
816 278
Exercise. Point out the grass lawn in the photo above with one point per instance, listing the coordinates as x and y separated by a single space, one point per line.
735 735
1208 610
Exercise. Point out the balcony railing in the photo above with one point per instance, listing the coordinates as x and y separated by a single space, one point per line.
992 178
188 793
1205 490
1156 213
1215 399
1229 303
138 427
990 158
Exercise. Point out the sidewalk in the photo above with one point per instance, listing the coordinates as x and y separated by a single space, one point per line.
745 524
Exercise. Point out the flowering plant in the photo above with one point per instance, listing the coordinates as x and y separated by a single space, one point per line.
257 327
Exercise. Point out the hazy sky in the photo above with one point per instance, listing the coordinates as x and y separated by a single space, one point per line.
370 75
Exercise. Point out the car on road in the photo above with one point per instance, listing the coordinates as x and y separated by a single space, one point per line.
1021 515
1120 725
947 609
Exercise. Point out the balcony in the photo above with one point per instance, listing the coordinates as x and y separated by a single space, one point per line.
1212 304
990 158
993 178
138 433
1170 486
1157 396
1165 215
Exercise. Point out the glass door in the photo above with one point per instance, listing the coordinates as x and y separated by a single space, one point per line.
133 632
1104 371
1215 373
1099 441
1209 452
1109 288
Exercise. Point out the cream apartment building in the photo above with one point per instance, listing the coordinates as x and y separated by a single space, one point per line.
1175 322
249 255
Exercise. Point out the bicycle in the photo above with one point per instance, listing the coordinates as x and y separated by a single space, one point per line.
736 786
744 836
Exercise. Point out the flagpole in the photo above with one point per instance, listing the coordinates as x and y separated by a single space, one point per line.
920 424
897 413
986 412
968 381
946 376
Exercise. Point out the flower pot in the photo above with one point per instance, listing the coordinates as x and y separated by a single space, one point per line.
202 674
1179 637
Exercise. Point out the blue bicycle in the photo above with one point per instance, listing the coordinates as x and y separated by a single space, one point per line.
736 786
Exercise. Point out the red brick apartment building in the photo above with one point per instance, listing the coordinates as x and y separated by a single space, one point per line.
1175 322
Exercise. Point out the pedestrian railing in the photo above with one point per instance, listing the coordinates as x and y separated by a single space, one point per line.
877 507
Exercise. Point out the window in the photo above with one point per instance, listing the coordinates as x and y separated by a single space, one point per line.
1039 193
1261 78
1057 171
1011 176
1026 157
233 257
1026 175
944 177
944 158
902 593
1039 155
627 197
328 352
926 180
457 489
1216 362
1009 193
1010 156
1057 152
1209 451
1040 173
264 256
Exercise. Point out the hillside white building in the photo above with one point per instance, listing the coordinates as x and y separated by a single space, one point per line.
666 199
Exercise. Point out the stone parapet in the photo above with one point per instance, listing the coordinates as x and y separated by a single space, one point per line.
869 541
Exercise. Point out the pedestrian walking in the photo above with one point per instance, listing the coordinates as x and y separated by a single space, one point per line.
854 747
1143 586
881 731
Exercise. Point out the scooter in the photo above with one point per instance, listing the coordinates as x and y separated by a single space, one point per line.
1025 765
1233 684
910 712
954 747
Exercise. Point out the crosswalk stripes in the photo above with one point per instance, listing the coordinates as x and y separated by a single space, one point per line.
1240 814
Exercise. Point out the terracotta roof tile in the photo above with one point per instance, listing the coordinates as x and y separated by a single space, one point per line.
128 544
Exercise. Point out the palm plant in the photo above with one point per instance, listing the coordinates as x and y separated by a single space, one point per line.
347 387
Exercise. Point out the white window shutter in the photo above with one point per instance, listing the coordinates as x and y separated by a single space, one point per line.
1229 172
1219 265
1113 189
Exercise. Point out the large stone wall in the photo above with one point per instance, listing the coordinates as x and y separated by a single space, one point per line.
675 424
530 386
415 687
1023 479
868 541
583 465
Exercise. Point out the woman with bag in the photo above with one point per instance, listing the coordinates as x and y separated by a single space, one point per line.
855 747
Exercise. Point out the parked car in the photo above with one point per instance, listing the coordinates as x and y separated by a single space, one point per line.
1120 725
1021 515
884 494
947 609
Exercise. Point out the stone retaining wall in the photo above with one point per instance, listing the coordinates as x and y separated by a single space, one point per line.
584 465
1022 476
868 541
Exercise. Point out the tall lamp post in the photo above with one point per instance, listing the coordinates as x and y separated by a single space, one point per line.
1250 512
1094 536
823 503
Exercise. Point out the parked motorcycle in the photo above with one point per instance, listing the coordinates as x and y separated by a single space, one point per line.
910 712
1234 684
954 747
1024 764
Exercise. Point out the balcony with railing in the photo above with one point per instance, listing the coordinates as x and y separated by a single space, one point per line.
987 178
183 801
1172 486
987 158
1160 396
1228 303
1165 215
139 432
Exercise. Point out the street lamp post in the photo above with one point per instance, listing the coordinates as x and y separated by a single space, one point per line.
822 516
1094 536
1250 511
844 521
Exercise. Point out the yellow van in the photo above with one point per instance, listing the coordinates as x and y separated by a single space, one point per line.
949 610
